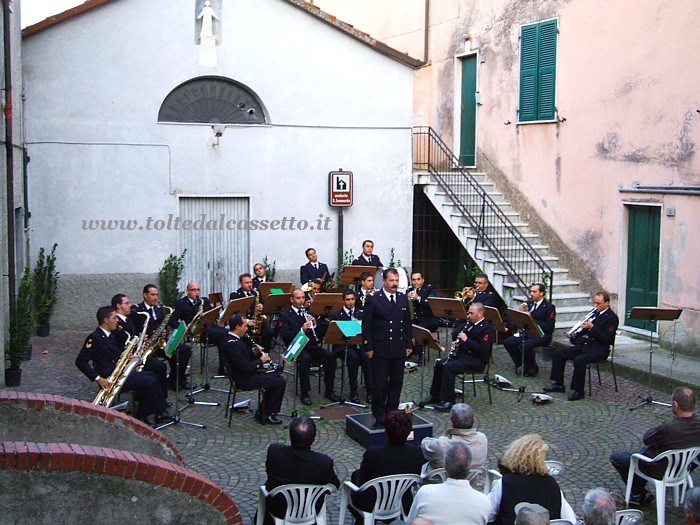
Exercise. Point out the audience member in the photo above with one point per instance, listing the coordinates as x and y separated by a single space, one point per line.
297 463
454 500
599 508
526 479
692 506
397 457
462 420
682 431
531 514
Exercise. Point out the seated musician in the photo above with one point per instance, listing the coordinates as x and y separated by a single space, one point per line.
181 357
544 314
98 358
126 328
590 343
246 289
481 292
260 276
366 288
247 361
355 356
367 257
322 320
187 308
314 269
422 314
472 342
294 319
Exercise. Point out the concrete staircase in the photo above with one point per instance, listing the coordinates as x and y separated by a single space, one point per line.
572 304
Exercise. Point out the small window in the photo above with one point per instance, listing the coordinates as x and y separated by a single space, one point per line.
212 100
538 58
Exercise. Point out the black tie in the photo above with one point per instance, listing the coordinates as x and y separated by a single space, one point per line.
391 299
351 311
153 313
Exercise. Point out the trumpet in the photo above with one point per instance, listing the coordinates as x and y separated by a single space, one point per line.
577 329
307 287
467 293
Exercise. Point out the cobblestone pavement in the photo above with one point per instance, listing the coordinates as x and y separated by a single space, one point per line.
581 434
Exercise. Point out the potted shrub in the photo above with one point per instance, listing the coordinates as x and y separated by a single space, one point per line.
45 279
169 278
21 328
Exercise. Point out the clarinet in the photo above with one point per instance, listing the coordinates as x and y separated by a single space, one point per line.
313 330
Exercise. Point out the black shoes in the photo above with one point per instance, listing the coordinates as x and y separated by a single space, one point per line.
430 400
444 407
272 419
641 500
354 398
554 388
164 417
576 395
305 399
330 396
532 372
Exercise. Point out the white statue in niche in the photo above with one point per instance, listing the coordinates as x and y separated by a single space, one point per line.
207 15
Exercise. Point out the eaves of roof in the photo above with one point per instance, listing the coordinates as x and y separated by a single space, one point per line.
308 8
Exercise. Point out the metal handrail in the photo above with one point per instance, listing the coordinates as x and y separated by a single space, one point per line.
482 213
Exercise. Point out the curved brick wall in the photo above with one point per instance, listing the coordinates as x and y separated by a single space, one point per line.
69 483
51 418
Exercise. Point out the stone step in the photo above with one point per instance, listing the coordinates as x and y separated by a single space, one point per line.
473 198
515 248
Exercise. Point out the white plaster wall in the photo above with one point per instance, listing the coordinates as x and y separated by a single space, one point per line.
99 80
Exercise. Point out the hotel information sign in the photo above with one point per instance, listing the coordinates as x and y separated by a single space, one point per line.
340 188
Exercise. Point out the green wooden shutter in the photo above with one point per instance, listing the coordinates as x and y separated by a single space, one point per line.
538 53
547 61
528 72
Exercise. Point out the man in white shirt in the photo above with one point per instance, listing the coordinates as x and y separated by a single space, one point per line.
454 500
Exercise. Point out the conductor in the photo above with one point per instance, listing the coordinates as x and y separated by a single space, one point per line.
386 330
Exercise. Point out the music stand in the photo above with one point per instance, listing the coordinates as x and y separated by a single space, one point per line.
650 315
326 303
216 298
265 288
450 309
351 274
525 325
208 319
425 338
339 333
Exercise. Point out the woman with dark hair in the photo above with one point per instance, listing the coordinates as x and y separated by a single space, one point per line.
397 457
526 479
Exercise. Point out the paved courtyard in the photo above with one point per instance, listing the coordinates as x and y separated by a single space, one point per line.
581 434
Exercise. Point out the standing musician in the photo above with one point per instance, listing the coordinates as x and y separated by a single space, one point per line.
355 356
246 290
480 293
367 257
544 313
183 353
100 349
290 322
386 330
472 343
126 327
366 289
313 270
247 362
260 276
591 342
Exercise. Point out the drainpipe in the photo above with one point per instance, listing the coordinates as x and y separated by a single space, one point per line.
9 160
426 35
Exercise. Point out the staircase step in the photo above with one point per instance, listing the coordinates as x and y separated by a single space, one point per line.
515 248
496 196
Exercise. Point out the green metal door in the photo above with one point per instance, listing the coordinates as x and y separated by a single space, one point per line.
467 146
643 260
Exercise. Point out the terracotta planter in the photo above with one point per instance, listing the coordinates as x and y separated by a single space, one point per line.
13 377
43 330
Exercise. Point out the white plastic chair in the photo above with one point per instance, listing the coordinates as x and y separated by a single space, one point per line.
301 504
677 475
437 475
491 476
629 517
389 490
555 467
560 522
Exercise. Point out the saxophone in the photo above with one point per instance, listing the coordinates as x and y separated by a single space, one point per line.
156 341
258 317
